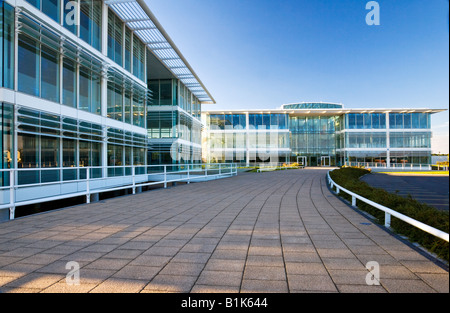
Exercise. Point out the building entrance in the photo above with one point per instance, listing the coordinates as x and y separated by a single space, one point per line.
325 161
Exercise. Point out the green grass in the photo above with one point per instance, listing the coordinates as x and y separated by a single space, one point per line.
349 179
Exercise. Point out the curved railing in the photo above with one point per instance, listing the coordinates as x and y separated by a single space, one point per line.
86 181
389 212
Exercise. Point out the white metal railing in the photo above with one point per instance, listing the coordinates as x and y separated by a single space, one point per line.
389 212
133 177
399 166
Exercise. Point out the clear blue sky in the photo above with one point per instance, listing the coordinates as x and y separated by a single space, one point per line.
265 53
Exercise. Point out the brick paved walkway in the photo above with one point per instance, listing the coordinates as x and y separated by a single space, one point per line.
263 232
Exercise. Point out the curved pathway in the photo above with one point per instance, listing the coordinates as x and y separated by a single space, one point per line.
277 231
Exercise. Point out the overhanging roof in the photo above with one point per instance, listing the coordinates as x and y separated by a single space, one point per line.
138 17
324 112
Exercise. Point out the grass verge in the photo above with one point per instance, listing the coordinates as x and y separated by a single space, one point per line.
349 179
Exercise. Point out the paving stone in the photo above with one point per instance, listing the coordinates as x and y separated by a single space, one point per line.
281 231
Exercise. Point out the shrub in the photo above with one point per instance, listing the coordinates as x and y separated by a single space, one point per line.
349 178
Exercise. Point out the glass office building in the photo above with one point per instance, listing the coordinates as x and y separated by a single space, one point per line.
90 83
319 134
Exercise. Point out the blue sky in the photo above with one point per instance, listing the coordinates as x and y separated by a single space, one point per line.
265 53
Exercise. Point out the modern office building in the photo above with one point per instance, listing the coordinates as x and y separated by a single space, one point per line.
90 83
319 134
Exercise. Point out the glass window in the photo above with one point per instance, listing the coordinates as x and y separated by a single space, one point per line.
252 121
138 58
28 71
50 74
28 157
90 22
228 121
85 88
382 120
115 159
115 38
423 120
166 92
258 121
36 3
69 83
52 9
351 118
69 153
138 110
49 151
115 102
90 155
392 120
6 139
7 33
399 120
359 121
153 86
407 120
90 91
367 121
415 120
266 121
128 49
127 106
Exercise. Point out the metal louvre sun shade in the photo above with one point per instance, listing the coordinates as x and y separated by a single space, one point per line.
154 37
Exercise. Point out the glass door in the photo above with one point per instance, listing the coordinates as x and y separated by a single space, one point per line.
325 161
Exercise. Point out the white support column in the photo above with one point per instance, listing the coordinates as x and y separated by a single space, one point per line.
388 142
247 139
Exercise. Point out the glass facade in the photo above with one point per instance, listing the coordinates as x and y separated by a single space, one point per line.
365 121
409 120
375 137
173 123
90 22
6 141
7 35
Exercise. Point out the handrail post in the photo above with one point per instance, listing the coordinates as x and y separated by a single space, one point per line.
387 220
133 170
188 175
88 191
354 201
220 169
206 170
12 194
165 176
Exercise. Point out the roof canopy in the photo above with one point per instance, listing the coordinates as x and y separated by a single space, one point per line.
138 17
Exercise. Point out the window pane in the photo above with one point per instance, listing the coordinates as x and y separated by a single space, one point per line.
127 107
52 9
399 120
50 75
85 88
69 83
127 49
7 33
166 92
423 120
28 60
407 120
